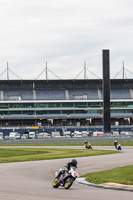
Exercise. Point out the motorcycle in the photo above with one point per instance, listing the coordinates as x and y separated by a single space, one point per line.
66 180
88 146
118 147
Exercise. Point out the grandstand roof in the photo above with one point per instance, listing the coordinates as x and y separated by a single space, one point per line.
63 84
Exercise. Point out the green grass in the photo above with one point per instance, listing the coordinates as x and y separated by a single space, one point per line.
73 144
122 175
26 154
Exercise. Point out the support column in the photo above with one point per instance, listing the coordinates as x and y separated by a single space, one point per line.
106 92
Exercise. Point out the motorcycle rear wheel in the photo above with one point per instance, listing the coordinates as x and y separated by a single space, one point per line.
68 183
55 183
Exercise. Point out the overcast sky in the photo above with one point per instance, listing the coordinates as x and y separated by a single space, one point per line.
65 34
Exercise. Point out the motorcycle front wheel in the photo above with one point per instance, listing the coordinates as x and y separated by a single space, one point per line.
55 183
68 183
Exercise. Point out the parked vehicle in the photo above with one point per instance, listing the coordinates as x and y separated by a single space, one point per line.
1 136
98 133
66 180
46 135
67 133
126 133
77 134
14 135
39 136
25 135
55 134
116 133
42 135
32 135
85 134
18 136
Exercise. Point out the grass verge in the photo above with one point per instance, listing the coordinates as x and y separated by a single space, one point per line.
122 175
26 154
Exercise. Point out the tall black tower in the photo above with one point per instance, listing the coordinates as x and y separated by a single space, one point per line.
106 91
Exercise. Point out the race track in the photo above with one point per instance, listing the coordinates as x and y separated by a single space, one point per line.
33 180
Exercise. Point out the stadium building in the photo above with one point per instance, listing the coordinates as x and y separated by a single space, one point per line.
64 103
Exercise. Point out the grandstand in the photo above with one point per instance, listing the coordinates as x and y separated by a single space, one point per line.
63 102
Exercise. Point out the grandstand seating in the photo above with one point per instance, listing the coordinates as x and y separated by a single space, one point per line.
60 94
83 94
15 94
53 94
119 93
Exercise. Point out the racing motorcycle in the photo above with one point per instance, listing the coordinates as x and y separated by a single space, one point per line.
118 147
88 146
66 179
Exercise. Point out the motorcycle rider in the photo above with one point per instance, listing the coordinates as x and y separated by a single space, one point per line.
117 144
87 144
73 163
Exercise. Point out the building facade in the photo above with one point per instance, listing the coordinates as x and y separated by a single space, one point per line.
63 102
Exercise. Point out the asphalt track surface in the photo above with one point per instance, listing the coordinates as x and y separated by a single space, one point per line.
33 180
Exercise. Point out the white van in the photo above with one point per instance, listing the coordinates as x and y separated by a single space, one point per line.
98 133
55 134
85 133
126 133
116 133
32 135
1 136
77 134
42 135
14 135
67 134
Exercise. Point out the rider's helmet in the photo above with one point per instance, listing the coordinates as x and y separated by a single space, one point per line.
74 162
85 141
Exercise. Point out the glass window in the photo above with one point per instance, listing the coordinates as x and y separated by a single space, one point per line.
15 105
51 105
69 105
58 105
95 104
81 105
14 112
67 112
3 105
54 111
130 104
42 112
28 112
41 105
27 105
92 111
3 113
